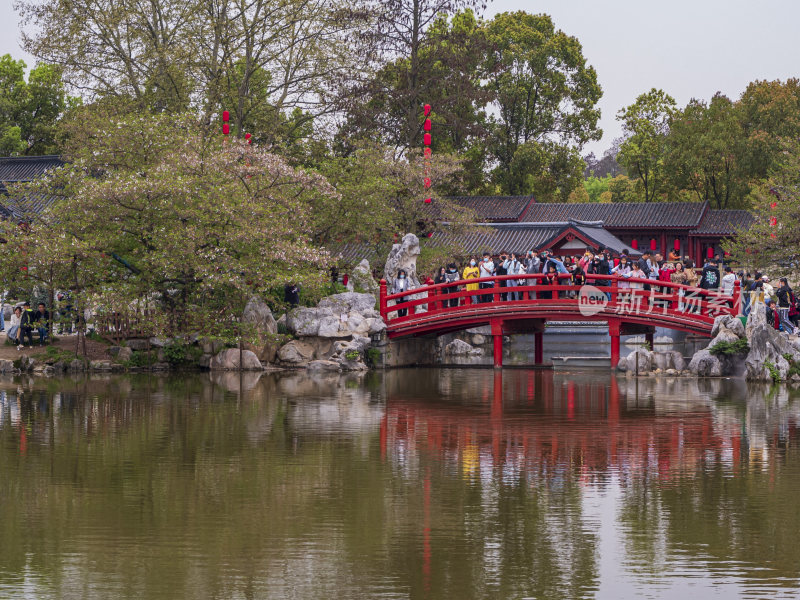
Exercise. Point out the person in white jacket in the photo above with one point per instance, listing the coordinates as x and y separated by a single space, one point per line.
13 331
728 281
514 266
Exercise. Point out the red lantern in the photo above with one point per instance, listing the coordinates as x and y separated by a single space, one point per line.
677 245
426 139
726 254
24 268
427 109
345 279
430 234
428 200
427 125
427 182
247 137
710 252
226 129
653 244
773 221
773 205
428 153
226 116
635 244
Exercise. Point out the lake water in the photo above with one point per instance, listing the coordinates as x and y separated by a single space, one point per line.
423 483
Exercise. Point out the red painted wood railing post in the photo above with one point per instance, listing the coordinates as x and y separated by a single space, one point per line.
497 339
432 293
382 299
613 331
737 298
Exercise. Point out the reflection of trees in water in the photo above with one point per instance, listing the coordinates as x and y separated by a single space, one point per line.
180 486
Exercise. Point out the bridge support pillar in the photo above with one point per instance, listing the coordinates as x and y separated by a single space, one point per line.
497 339
538 342
648 337
613 331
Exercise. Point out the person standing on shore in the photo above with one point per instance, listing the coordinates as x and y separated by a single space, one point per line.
785 301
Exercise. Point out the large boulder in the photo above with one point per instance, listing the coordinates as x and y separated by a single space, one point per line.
324 365
639 361
362 278
296 353
723 335
258 314
403 256
228 360
461 348
767 346
677 362
337 316
705 364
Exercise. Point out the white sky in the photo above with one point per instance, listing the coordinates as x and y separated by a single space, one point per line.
690 48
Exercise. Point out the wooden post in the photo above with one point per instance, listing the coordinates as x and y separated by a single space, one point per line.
613 331
382 299
737 298
538 343
497 339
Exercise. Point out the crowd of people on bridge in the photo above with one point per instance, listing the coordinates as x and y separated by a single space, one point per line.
642 272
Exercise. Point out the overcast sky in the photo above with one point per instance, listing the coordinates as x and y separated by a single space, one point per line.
690 48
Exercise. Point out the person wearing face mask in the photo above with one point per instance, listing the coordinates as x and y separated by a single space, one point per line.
400 285
532 265
486 267
623 269
440 278
514 267
451 276
472 272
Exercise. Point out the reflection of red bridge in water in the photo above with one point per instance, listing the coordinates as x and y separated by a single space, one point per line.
609 299
545 429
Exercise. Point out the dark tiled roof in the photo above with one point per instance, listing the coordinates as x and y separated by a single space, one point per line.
521 237
495 208
19 169
26 168
724 222
623 215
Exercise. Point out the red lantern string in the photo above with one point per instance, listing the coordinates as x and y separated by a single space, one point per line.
428 152
427 182
426 126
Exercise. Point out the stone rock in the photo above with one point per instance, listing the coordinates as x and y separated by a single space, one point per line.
349 302
795 377
478 339
258 314
461 348
6 366
353 365
76 365
205 361
622 365
671 372
639 361
125 353
756 319
723 321
723 335
767 345
265 352
362 278
160 366
211 345
157 342
705 364
296 352
677 361
403 256
228 360
324 365
138 345
113 350
100 365
661 361
281 320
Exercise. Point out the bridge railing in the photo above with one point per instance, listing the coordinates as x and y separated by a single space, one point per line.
607 293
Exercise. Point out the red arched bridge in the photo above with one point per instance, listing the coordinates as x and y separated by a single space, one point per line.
524 303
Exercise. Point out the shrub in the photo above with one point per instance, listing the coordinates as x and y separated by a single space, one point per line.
773 371
740 346
352 355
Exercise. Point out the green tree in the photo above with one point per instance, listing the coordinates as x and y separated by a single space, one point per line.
546 98
646 125
774 237
30 110
706 153
174 218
